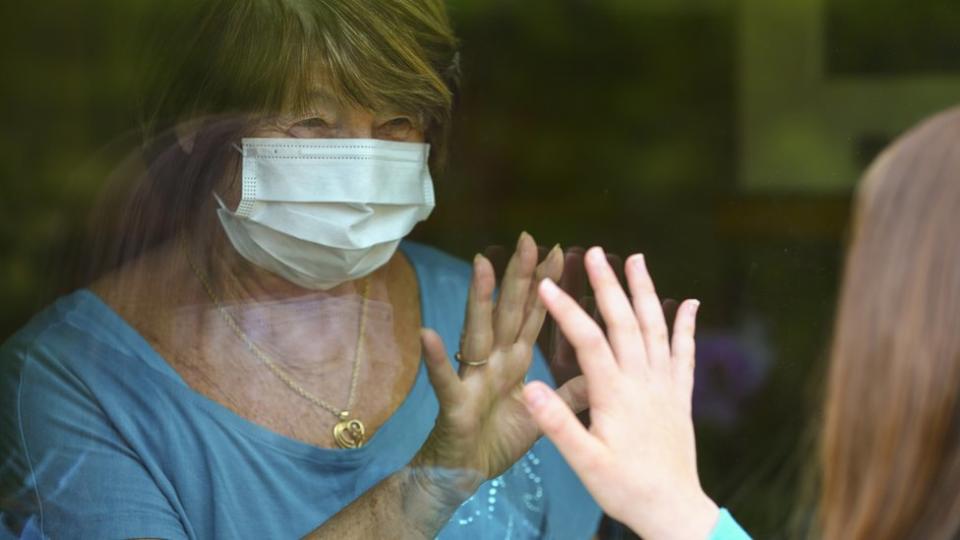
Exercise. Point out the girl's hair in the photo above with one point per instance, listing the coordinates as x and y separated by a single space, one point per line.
231 64
890 458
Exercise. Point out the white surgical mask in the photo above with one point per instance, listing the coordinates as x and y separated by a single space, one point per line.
320 212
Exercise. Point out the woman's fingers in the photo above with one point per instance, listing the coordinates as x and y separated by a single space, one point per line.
684 345
574 394
581 449
623 330
593 352
497 255
563 361
476 343
508 315
442 377
551 267
649 312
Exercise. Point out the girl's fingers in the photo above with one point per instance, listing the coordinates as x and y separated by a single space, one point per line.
551 267
616 262
581 449
477 341
442 377
593 352
508 315
618 315
669 306
649 312
684 344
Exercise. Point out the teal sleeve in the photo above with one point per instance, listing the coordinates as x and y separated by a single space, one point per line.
727 528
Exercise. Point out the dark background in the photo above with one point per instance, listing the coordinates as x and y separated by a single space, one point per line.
583 122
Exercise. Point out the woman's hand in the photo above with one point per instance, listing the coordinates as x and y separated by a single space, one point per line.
638 457
483 426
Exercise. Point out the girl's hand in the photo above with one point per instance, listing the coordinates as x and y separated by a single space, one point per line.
638 457
483 426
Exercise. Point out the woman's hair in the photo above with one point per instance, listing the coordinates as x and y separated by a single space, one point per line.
218 68
249 57
890 457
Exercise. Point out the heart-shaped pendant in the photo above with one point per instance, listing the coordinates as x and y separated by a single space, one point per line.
349 433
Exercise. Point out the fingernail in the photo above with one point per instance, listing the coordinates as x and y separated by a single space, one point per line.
548 288
556 254
534 396
695 306
520 240
640 262
595 255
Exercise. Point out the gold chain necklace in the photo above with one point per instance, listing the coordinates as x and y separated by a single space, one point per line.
347 432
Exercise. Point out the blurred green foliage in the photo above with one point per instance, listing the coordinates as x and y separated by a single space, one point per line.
893 37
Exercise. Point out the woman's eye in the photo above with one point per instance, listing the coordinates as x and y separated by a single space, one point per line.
312 123
397 127
399 122
309 128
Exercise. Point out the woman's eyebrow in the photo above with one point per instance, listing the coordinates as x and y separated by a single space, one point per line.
322 97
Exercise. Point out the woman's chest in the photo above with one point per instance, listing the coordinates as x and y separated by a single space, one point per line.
306 381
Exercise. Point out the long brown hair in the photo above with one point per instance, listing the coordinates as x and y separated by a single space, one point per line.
890 458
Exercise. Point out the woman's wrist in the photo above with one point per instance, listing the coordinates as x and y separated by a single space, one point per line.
431 494
410 504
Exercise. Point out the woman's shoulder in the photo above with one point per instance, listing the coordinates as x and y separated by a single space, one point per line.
77 334
50 367
441 276
55 323
435 263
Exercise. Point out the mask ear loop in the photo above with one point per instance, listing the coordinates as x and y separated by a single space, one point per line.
220 203
223 205
248 187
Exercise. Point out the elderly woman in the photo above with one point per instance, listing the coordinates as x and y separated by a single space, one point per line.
248 361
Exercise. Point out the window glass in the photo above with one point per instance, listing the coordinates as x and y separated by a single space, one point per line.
212 299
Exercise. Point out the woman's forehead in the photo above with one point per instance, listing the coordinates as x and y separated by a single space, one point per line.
320 97
313 86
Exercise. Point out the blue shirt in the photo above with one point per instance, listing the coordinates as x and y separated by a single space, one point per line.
106 440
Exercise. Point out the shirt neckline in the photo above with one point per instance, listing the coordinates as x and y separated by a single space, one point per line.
256 432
